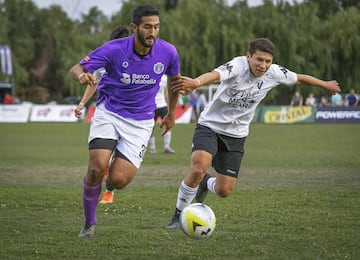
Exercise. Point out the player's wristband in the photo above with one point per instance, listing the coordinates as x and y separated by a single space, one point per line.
199 83
81 104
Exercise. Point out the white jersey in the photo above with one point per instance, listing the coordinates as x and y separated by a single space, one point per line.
234 103
160 100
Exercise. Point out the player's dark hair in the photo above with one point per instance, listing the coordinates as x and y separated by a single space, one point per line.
143 10
119 32
262 44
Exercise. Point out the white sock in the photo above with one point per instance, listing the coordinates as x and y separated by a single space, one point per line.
152 142
167 139
185 196
211 184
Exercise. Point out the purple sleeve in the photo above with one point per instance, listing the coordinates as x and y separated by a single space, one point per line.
98 58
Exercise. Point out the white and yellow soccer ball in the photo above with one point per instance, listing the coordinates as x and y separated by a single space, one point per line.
198 220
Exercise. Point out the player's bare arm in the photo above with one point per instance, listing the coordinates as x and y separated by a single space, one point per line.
187 85
89 92
331 86
79 73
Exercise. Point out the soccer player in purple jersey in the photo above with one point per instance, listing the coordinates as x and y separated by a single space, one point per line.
124 115
223 126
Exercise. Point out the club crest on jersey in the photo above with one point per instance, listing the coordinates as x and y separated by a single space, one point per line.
158 68
125 64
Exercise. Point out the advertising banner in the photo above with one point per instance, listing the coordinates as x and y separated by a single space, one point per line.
53 113
338 115
287 114
15 113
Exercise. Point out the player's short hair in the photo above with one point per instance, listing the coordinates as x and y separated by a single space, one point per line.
262 44
119 32
143 10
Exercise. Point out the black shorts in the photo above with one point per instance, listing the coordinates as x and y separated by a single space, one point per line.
160 112
109 144
227 152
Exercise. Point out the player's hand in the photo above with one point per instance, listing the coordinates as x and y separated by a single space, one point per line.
78 110
333 87
87 78
184 85
168 122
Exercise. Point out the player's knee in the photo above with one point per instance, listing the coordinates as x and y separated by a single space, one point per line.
93 176
120 182
223 191
195 176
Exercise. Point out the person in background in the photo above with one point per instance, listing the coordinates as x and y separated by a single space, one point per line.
193 99
8 99
223 126
310 100
351 99
124 115
161 111
336 100
297 100
201 103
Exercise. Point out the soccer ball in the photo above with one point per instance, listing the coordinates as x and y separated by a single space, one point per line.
198 220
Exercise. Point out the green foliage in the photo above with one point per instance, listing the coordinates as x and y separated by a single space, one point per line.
297 197
314 37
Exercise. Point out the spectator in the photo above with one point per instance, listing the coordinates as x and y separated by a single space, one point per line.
8 99
336 100
351 99
193 99
310 100
161 111
201 103
297 100
323 101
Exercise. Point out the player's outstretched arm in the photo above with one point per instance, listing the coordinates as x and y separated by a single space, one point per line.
331 86
187 85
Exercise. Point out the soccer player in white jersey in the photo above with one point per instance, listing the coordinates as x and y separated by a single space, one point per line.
161 111
124 116
223 126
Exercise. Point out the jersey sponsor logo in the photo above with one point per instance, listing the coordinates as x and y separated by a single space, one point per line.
158 68
242 99
142 79
125 78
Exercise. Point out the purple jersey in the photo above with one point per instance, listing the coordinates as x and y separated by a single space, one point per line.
129 86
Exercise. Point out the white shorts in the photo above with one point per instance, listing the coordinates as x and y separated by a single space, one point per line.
132 135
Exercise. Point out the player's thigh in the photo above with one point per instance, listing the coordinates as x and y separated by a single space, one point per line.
99 158
122 171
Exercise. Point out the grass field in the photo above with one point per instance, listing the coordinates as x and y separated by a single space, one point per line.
298 197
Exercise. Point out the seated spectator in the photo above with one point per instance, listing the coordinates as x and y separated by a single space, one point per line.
8 99
351 99
336 100
297 99
310 100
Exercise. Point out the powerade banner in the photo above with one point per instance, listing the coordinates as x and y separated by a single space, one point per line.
287 114
338 115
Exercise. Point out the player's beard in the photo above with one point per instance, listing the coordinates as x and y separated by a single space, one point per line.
143 40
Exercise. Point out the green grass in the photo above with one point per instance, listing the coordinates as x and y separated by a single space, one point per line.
297 197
